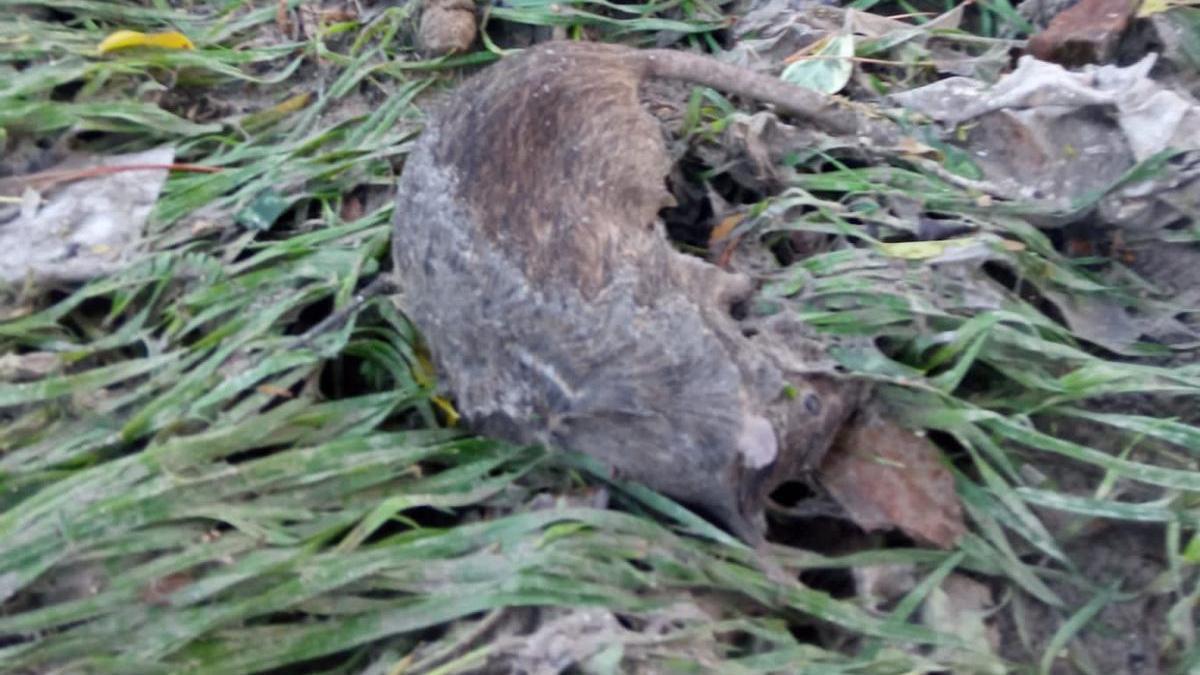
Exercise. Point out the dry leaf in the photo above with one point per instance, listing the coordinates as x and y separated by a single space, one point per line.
1088 32
90 223
352 209
943 250
725 227
879 585
1152 7
28 366
273 390
158 592
961 606
886 476
282 21
826 69
912 146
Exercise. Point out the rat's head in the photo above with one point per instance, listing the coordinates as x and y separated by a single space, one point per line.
758 455
718 460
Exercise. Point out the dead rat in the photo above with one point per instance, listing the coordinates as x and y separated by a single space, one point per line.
529 253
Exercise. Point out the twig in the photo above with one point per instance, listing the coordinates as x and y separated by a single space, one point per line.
53 177
379 286
462 643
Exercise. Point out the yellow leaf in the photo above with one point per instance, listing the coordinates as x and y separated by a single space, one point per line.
920 250
124 39
923 250
448 410
722 230
423 372
263 118
912 146
1152 7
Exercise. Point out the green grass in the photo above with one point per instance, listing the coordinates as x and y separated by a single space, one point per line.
165 507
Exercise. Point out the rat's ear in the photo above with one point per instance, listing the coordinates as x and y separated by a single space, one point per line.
668 200
733 288
757 444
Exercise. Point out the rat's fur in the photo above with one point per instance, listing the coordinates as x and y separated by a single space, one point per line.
529 253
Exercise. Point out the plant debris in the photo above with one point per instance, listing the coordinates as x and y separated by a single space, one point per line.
198 473
1088 32
885 476
84 228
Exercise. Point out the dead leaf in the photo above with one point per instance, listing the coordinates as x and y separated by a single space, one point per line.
15 311
338 14
961 606
825 66
875 25
1037 132
87 227
1087 32
282 19
773 29
879 585
886 476
352 209
1152 7
203 227
265 118
911 146
158 591
725 227
28 366
272 390
949 250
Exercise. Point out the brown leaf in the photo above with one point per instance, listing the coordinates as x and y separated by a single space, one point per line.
725 227
352 208
28 366
282 21
158 592
1088 32
886 476
272 390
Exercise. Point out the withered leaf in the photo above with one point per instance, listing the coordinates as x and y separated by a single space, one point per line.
1088 32
886 476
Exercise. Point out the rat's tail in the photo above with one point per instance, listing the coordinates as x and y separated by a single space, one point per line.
820 109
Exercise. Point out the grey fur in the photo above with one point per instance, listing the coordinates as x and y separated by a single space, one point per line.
555 308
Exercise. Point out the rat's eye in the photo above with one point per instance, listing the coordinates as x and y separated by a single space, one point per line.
812 403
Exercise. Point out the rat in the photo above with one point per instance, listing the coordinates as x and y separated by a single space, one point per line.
530 255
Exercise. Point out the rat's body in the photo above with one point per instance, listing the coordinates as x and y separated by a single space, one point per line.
529 254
